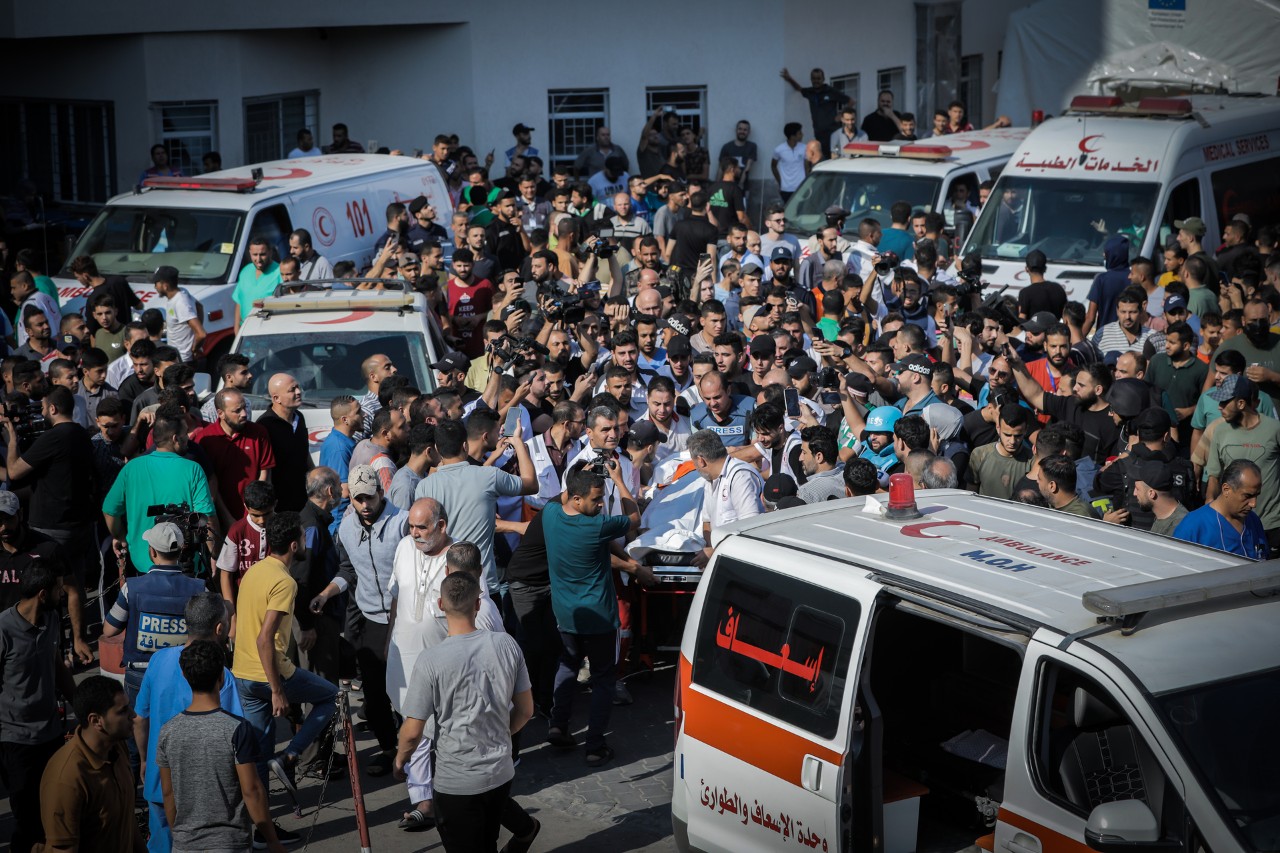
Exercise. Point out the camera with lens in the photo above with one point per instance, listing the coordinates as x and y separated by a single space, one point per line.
27 417
602 464
559 305
888 261
193 559
970 275
516 351
828 386
601 247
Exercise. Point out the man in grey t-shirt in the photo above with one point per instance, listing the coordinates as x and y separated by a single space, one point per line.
475 689
208 766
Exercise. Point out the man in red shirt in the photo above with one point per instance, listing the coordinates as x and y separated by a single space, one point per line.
469 303
239 450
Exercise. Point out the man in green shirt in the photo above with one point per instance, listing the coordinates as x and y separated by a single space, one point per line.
1056 476
257 280
996 468
583 598
1245 434
1156 489
1179 374
155 479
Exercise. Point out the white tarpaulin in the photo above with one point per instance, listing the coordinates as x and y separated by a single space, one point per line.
1055 49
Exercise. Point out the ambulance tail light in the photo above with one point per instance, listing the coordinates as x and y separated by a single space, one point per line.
1096 103
678 718
226 185
902 498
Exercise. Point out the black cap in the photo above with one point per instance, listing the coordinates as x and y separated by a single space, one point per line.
1037 261
1153 421
69 342
679 347
1039 322
859 384
418 203
521 128
777 487
802 366
763 346
452 362
782 253
645 433
916 363
167 274
1128 397
835 211
1158 474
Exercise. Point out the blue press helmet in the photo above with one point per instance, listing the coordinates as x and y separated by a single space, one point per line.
881 419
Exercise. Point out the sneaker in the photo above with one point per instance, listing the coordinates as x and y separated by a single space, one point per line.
285 768
584 674
522 845
284 836
316 769
598 756
621 695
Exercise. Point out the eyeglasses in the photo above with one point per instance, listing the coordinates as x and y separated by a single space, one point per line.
997 374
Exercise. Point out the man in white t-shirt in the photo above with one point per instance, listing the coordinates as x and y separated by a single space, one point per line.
306 146
182 327
733 487
23 289
788 160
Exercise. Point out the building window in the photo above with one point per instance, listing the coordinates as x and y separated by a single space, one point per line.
271 124
848 84
895 80
689 103
188 130
970 93
573 116
66 148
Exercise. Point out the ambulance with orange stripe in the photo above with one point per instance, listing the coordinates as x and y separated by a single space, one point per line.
947 672
203 225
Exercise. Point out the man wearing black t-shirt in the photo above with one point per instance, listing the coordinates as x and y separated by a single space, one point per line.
725 201
1040 295
288 434
825 102
86 272
530 593
883 124
691 237
20 546
741 149
505 234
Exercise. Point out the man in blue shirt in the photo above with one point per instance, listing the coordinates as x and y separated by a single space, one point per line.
1228 522
165 694
725 414
339 444
584 600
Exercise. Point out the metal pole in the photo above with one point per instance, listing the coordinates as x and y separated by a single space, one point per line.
353 768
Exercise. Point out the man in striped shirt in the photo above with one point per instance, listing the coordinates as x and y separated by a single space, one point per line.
1129 332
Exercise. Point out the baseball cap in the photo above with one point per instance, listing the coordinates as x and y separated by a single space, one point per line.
799 367
165 537
521 128
781 253
408 259
678 323
1036 260
1153 421
645 433
777 487
859 384
1158 474
167 274
451 362
69 342
916 363
679 347
1174 303
363 480
763 346
1128 397
1039 322
664 291
1192 225
1234 387
752 270
789 502
418 203
835 211
9 502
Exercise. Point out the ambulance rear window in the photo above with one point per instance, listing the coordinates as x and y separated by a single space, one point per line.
776 644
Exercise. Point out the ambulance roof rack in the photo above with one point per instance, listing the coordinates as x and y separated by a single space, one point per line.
340 295
1126 605
904 151
224 185
1146 107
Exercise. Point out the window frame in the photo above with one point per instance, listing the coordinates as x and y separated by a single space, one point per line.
59 166
969 91
885 79
287 137
165 137
694 118
556 114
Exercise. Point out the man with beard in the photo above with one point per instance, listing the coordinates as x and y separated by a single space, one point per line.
1179 374
1260 348
626 355
1156 490
1129 332
1245 434
239 451
1084 407
721 411
560 351
552 449
1053 372
1152 427
416 573
648 257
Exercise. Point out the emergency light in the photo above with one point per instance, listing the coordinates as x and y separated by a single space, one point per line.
226 185
902 498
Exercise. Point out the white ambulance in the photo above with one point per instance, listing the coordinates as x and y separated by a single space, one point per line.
1106 168
203 225
975 675
875 175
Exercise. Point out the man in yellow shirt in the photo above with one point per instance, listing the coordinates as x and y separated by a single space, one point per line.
267 680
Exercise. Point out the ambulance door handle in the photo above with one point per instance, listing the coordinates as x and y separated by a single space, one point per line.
811 774
1022 843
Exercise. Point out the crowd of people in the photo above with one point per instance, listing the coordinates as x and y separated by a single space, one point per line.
634 364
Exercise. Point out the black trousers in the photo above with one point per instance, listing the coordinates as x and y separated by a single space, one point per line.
469 823
539 637
371 655
21 766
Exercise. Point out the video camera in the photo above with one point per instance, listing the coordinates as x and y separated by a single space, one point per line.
601 248
970 276
28 419
829 386
193 559
559 305
516 351
888 261
602 464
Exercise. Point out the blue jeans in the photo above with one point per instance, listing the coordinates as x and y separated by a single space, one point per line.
601 652
301 687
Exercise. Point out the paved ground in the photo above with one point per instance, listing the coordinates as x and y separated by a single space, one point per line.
624 806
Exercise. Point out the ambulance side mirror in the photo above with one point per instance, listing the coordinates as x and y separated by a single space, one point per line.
1125 825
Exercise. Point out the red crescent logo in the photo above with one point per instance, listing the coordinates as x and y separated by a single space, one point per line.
917 530
1020 275
1084 143
317 436
322 222
970 145
350 318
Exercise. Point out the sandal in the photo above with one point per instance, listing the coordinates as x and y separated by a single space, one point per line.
599 756
416 821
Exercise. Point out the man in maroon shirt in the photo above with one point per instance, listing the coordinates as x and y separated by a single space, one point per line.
469 303
239 450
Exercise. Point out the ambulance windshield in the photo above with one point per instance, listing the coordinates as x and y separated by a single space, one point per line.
133 241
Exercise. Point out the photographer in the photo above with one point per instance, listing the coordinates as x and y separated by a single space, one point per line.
57 460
